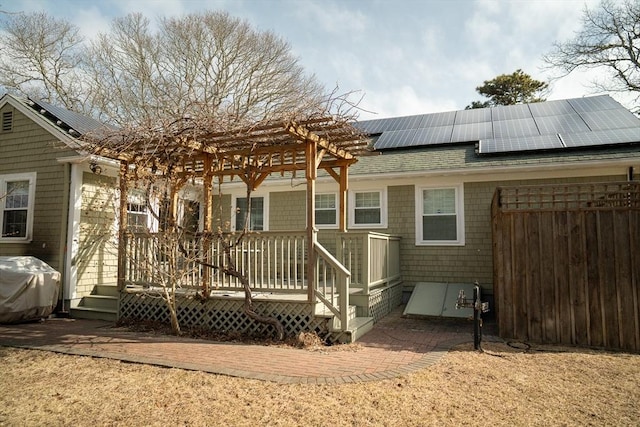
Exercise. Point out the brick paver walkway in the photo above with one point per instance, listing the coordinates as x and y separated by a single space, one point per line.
396 346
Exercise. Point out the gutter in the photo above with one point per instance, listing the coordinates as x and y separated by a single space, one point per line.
489 170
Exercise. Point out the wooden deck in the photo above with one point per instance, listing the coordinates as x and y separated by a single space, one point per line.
275 263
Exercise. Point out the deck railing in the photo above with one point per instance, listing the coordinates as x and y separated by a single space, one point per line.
273 261
332 284
372 258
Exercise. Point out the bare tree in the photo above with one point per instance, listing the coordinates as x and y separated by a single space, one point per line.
134 73
41 57
609 39
207 63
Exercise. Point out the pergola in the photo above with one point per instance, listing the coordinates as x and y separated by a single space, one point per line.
187 149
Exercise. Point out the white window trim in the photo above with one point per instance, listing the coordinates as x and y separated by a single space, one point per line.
383 208
31 177
459 198
265 209
336 209
138 197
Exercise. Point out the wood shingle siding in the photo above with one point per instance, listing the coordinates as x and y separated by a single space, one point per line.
97 259
27 147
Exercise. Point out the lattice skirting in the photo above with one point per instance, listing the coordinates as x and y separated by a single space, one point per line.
383 301
223 314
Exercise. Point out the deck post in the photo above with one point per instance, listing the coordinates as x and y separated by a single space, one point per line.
122 225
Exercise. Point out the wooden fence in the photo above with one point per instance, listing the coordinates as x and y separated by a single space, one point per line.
566 267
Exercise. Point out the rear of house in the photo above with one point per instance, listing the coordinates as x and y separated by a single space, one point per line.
428 184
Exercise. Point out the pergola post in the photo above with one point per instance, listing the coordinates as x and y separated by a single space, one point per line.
344 185
122 225
311 173
207 224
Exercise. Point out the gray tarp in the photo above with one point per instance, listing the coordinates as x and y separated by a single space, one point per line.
28 289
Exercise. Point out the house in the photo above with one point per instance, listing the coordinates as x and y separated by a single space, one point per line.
431 181
51 201
418 214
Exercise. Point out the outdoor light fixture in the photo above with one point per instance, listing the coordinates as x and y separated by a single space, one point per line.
95 168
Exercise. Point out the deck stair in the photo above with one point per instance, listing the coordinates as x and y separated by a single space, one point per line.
102 304
358 326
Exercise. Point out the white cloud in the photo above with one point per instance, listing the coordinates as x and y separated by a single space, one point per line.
91 22
401 101
333 18
408 56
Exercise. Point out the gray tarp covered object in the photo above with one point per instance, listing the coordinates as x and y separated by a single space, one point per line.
28 289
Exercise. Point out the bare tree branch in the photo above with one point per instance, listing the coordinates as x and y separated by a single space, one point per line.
609 39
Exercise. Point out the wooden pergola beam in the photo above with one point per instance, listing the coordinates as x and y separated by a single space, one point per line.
331 148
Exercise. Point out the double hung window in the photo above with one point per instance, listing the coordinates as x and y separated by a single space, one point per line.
440 217
17 194
367 209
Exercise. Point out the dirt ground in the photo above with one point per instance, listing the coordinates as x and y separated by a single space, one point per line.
502 386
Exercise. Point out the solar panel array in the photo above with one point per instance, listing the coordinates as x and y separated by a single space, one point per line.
81 123
579 122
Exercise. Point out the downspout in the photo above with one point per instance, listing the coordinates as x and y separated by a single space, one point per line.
64 227
630 174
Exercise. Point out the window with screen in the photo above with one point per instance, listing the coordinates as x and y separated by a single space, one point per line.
16 206
439 219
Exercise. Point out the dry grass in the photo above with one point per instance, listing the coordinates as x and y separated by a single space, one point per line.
502 386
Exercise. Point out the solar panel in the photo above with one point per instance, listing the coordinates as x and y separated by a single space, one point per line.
510 112
514 128
601 137
472 132
434 135
551 108
81 123
594 103
439 119
373 126
563 123
392 124
414 137
611 119
476 115
528 143
395 139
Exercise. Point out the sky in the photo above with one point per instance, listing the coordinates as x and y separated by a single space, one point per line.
403 57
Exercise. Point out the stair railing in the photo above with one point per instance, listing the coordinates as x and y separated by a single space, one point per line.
332 284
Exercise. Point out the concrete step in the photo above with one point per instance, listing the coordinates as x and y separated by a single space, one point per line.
102 304
322 310
357 328
106 290
99 302
93 313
